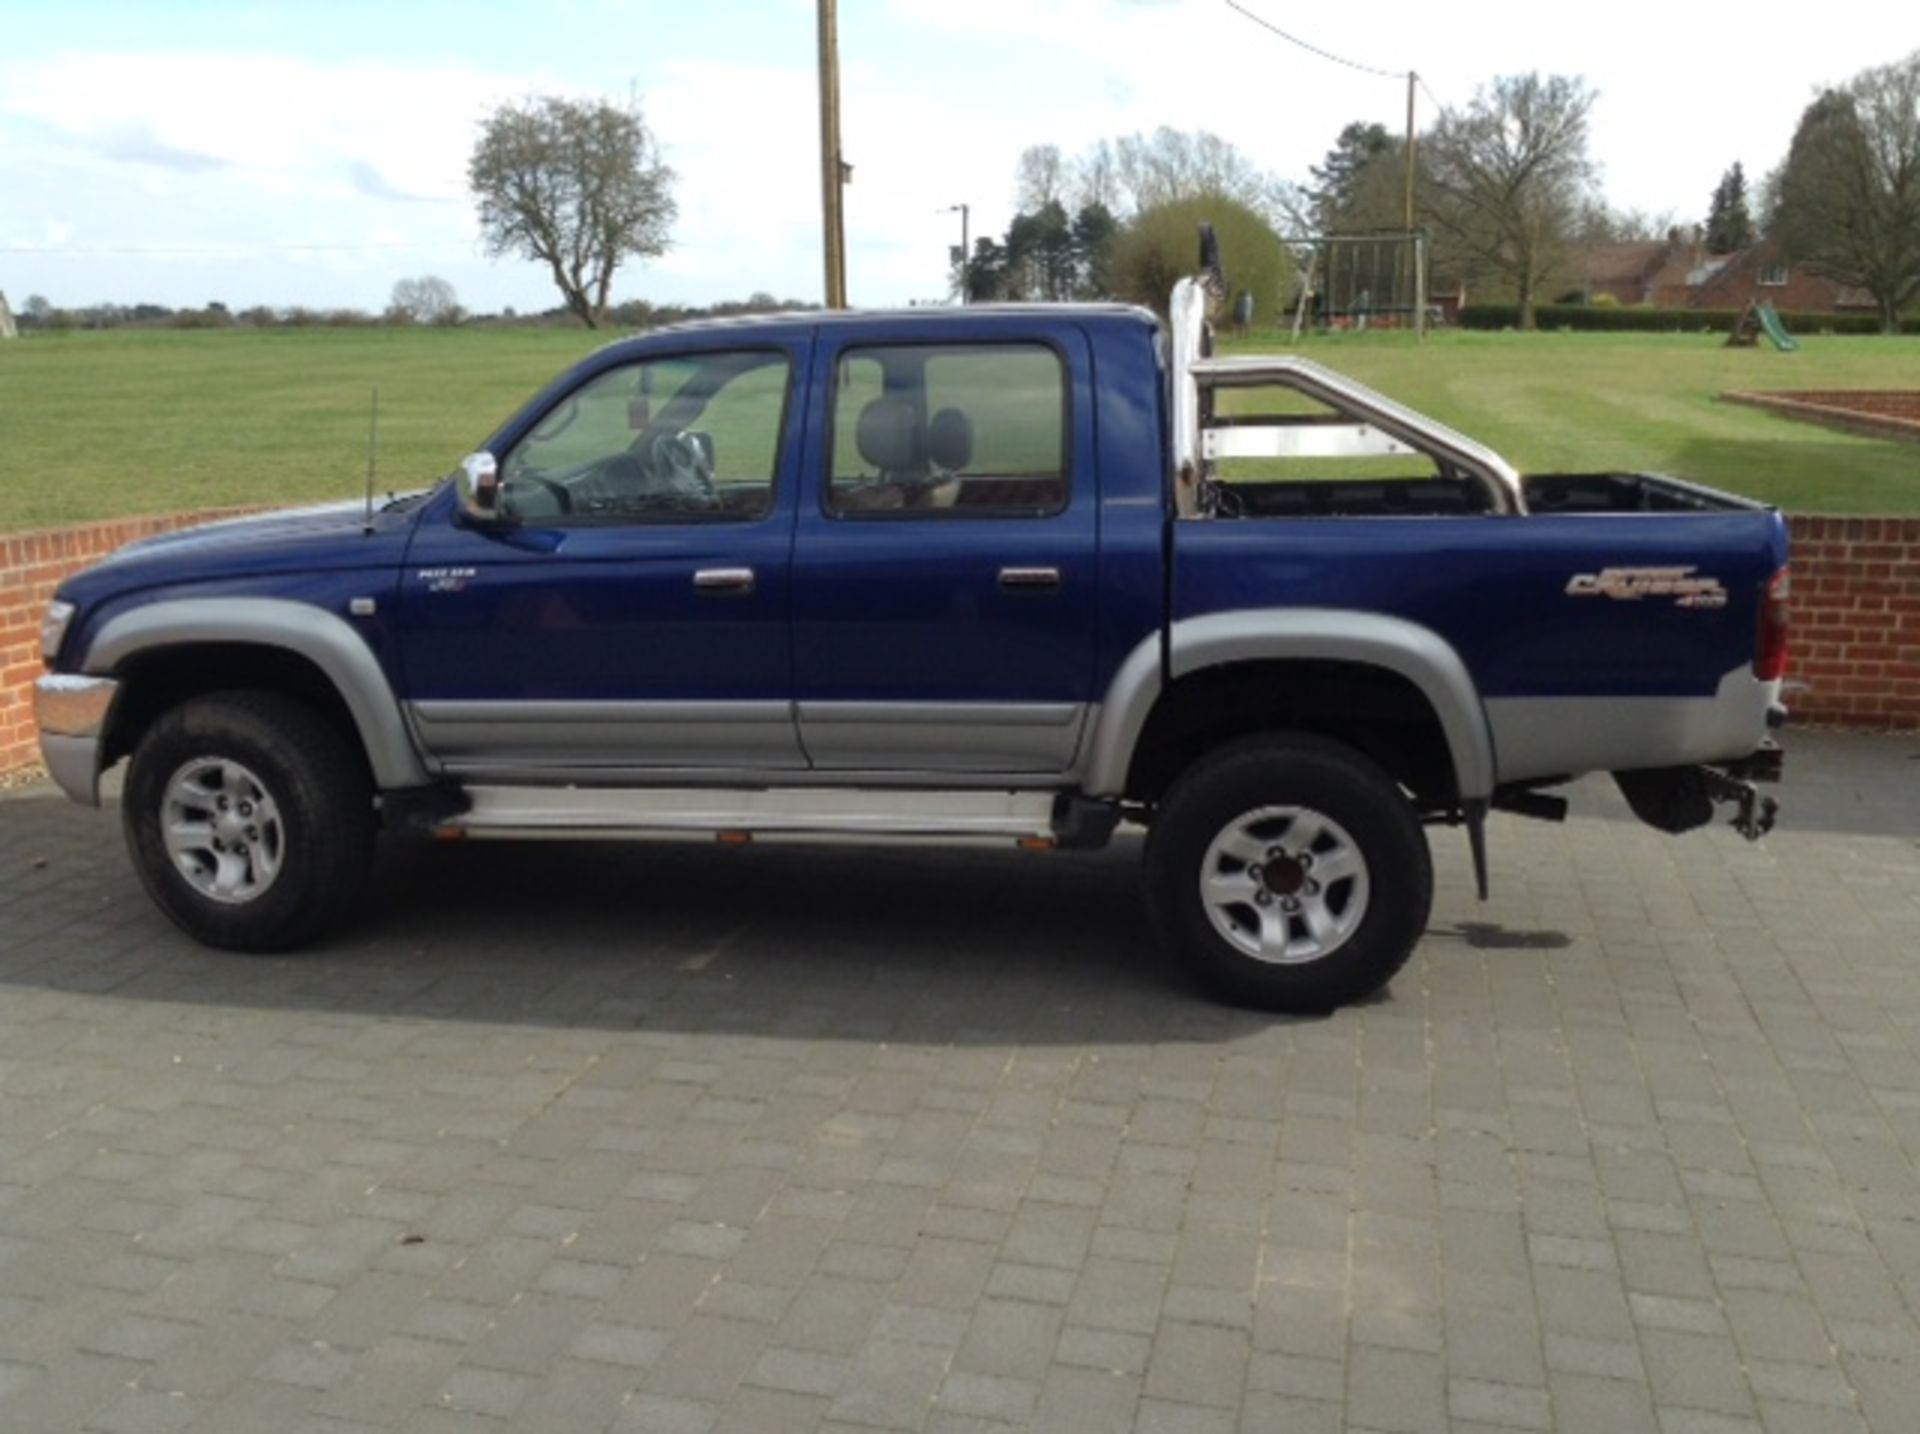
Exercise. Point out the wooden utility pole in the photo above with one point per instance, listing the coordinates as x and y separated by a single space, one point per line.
832 165
966 250
1416 247
1412 80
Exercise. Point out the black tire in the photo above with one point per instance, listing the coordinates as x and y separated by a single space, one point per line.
1361 812
322 836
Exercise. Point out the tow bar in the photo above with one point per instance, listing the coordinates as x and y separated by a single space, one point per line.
1754 814
1682 799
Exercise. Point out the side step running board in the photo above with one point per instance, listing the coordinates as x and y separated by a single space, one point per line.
809 814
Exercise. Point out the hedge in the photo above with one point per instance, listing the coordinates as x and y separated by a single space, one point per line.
1629 319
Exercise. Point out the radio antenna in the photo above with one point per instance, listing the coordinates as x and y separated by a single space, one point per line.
373 452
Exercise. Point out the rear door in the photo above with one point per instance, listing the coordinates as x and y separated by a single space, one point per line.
946 548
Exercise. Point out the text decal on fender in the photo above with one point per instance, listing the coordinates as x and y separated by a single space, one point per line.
1632 584
446 580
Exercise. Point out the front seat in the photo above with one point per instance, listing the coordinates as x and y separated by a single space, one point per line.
888 437
949 451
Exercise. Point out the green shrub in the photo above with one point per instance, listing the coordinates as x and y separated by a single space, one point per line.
1162 245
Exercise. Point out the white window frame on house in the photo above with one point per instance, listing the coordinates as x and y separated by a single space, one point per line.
1774 276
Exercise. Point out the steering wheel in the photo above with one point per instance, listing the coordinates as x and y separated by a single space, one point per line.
680 458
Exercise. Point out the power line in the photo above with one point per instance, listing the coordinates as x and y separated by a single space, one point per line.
1315 49
1420 80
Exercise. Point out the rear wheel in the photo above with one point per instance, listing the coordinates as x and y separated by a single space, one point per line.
250 820
1290 874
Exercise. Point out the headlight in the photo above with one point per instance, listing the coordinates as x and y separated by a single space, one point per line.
53 629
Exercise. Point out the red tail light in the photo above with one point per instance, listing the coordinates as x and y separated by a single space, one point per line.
1770 646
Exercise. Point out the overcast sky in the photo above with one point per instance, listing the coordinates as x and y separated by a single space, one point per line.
281 153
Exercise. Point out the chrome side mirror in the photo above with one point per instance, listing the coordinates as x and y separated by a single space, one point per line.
479 487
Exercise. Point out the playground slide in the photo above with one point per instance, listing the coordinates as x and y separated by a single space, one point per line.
1775 330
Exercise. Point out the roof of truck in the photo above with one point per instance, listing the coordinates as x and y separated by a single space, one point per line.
928 314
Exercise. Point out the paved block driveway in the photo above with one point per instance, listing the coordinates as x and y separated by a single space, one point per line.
663 1139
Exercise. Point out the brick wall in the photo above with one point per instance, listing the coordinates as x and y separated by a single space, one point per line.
1856 616
1856 621
1867 413
31 566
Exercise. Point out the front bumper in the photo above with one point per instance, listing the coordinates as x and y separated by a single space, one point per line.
71 711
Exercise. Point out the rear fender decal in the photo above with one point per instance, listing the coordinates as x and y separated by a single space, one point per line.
1685 585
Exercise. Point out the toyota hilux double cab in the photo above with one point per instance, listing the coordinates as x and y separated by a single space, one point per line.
1013 575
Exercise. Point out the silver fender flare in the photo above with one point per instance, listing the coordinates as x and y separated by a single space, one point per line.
1416 653
321 637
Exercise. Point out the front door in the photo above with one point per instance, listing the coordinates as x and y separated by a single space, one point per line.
632 614
945 552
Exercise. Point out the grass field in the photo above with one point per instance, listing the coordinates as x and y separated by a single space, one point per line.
1598 402
106 425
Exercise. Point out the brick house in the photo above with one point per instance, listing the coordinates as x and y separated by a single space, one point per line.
1760 273
1678 273
1628 273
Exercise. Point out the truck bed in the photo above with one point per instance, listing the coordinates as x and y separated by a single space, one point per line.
1559 493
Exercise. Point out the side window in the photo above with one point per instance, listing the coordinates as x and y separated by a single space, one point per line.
674 439
967 430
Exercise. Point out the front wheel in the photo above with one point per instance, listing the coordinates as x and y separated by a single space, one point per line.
1290 874
250 820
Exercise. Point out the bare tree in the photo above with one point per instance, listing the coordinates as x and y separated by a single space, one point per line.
1039 179
1135 172
1847 199
1094 179
428 299
577 185
1507 176
1140 171
1600 223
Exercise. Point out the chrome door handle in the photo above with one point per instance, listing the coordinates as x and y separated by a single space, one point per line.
1029 578
723 580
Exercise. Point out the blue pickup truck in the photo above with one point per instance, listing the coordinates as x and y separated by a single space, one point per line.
1013 575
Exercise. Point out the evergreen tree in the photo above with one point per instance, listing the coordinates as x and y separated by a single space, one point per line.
1729 224
1846 202
1094 228
1336 178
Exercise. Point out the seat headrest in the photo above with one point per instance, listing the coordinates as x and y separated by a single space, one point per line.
888 437
950 440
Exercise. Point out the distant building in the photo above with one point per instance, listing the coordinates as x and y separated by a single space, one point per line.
1626 273
1761 273
1678 273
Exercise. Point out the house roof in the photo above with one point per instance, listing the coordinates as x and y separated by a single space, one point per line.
1622 263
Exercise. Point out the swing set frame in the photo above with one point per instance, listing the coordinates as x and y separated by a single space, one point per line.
1334 259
